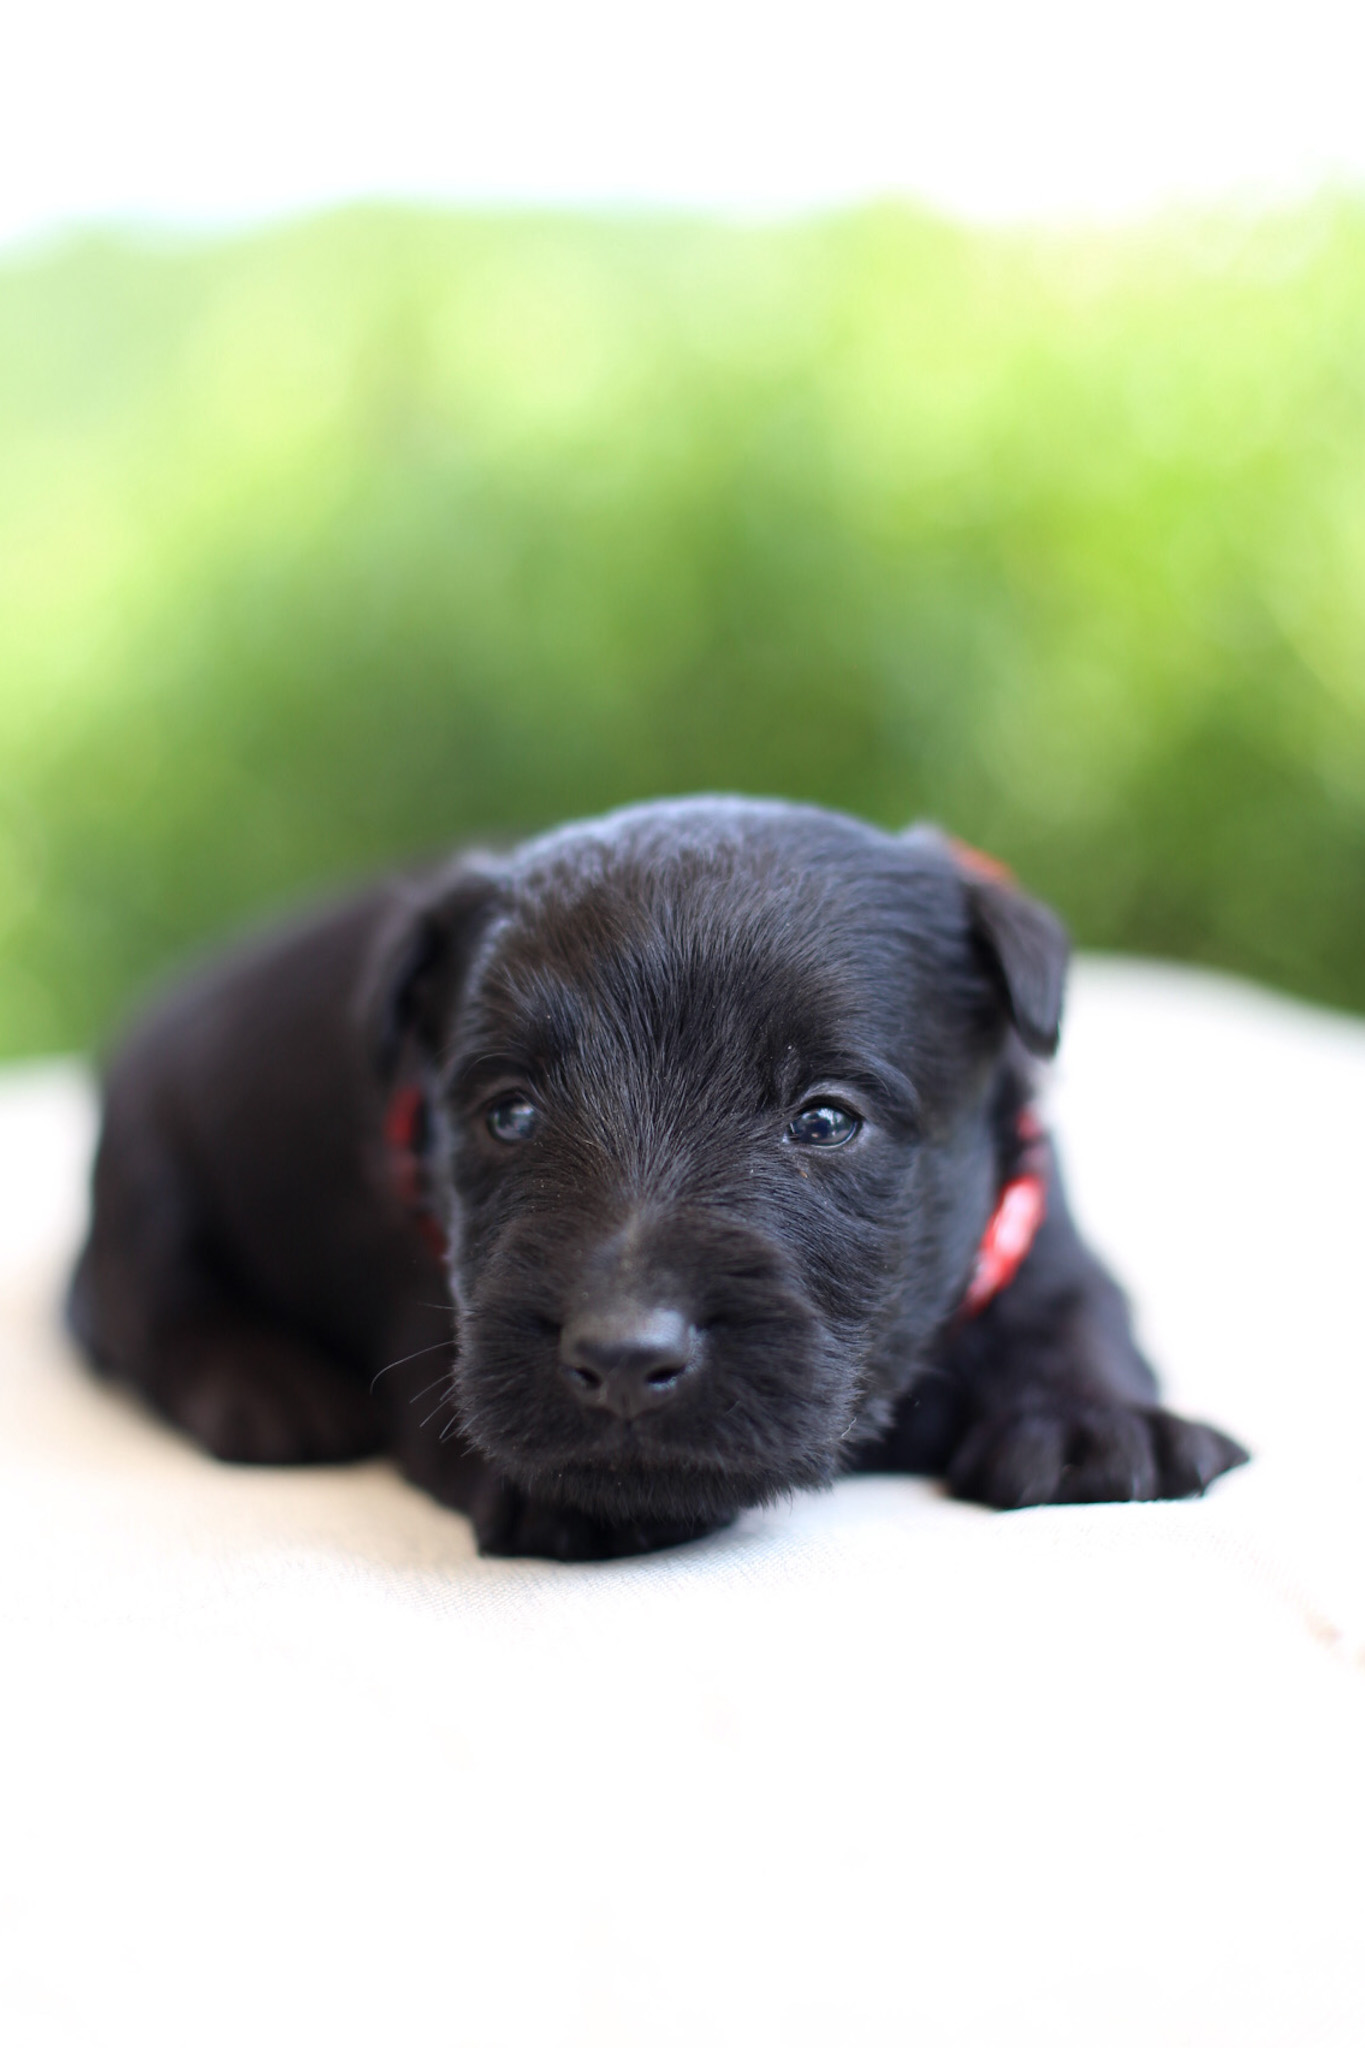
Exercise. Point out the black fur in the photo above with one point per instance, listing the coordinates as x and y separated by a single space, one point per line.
657 1308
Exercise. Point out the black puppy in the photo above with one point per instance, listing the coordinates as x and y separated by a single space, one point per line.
675 1161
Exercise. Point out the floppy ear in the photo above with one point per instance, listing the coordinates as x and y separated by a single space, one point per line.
423 950
1025 949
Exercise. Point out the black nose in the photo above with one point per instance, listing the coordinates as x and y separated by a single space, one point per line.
628 1361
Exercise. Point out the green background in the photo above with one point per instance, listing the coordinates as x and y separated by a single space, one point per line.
326 545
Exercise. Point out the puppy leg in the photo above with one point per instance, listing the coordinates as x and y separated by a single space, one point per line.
149 1308
1044 1397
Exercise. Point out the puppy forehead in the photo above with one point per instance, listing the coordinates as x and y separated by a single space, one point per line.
770 937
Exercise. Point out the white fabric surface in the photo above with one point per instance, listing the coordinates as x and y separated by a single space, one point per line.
284 1761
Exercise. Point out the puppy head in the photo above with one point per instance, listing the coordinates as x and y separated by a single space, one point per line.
711 1090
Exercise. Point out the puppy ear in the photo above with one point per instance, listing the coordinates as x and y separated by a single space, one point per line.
1025 948
1022 945
424 948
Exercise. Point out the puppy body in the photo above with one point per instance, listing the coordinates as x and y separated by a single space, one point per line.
621 1184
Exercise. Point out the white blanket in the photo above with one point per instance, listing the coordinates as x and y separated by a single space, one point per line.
286 1762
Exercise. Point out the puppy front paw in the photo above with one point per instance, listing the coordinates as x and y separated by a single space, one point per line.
1052 1450
509 1523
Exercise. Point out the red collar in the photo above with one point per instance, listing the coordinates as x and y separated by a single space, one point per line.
1014 1223
1005 1242
984 867
405 1134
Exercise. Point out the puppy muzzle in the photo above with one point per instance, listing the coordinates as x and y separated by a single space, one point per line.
694 1381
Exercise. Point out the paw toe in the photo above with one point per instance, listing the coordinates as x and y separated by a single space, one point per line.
1110 1457
1191 1454
1010 1461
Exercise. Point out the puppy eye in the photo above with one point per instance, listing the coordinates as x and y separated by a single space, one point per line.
823 1123
512 1119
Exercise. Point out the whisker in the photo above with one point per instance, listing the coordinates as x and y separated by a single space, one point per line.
443 1381
444 1401
441 1344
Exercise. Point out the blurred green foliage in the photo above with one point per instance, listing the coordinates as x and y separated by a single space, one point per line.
329 544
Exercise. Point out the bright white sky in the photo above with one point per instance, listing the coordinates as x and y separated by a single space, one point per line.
168 110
